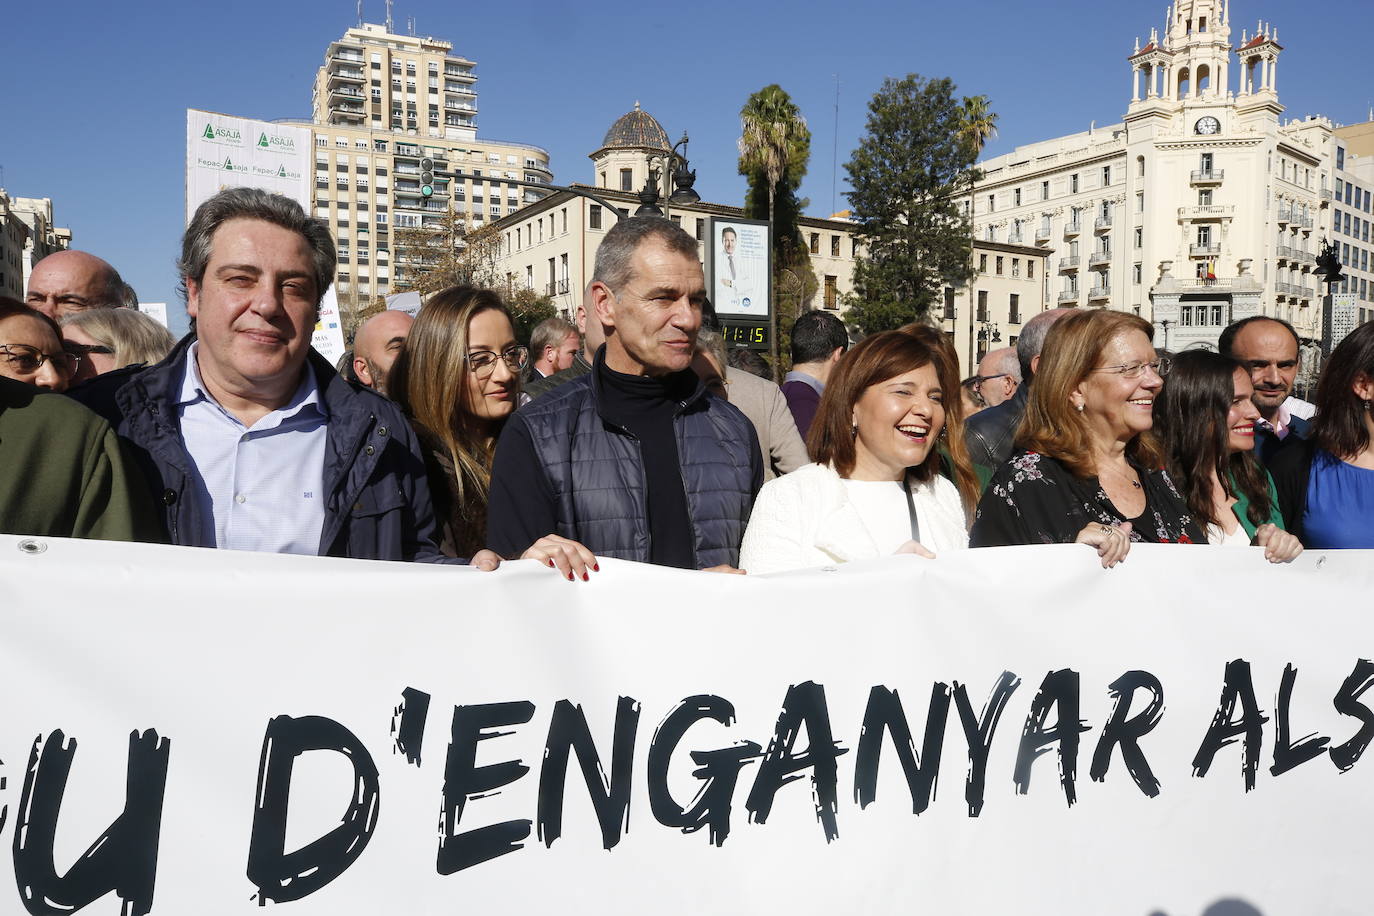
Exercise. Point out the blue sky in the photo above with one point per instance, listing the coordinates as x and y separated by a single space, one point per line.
92 112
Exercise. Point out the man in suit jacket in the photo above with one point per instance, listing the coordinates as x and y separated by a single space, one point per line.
780 445
1268 348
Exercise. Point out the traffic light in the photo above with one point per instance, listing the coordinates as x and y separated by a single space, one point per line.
427 177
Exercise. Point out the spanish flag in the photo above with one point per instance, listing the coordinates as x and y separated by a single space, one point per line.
1211 271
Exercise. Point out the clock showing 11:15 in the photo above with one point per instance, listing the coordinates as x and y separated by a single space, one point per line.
1207 126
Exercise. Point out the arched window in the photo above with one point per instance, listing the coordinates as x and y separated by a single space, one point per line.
1204 78
1184 83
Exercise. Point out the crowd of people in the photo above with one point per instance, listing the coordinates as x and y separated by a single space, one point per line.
632 432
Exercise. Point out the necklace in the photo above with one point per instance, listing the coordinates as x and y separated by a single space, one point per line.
1134 483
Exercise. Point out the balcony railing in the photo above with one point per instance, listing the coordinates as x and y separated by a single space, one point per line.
1207 211
1099 292
1304 221
1325 193
1204 251
346 73
1207 176
1068 295
1102 222
1099 258
1042 235
1069 263
1072 229
1285 214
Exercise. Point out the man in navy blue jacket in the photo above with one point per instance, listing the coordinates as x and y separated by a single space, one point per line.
248 438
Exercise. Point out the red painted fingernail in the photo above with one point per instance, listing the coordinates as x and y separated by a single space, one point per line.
584 578
596 567
570 576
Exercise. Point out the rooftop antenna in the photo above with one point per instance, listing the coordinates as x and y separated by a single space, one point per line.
390 27
835 149
360 13
410 26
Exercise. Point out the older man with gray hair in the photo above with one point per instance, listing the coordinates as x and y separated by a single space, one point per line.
991 434
999 375
66 282
633 459
248 438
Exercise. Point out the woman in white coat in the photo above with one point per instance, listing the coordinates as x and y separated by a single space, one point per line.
877 486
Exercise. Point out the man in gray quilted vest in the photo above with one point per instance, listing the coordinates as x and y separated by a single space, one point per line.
633 459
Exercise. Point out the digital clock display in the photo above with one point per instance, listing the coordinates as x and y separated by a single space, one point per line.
746 334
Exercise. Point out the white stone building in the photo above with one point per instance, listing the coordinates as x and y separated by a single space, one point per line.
1202 206
550 245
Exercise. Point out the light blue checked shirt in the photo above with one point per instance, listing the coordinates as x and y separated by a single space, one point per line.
259 487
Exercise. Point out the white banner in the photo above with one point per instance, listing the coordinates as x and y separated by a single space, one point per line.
364 738
227 152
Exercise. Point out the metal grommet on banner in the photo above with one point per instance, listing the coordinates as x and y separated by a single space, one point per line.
31 547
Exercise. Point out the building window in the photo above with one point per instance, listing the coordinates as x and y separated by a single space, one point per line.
1014 309
1073 183
982 313
1140 201
1106 175
815 243
1136 274
1016 267
834 246
1016 197
626 180
992 202
701 229
594 217
1139 237
949 303
831 292
999 265
1044 190
982 263
1030 270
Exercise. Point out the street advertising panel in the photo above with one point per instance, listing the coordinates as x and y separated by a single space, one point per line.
228 152
741 269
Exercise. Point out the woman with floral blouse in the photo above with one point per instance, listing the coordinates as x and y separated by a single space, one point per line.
1087 469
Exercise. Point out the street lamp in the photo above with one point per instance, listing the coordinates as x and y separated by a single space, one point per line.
683 178
987 333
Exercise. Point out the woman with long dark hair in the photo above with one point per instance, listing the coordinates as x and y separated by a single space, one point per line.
1205 419
1326 484
876 487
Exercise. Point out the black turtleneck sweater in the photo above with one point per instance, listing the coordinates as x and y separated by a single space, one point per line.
642 407
645 407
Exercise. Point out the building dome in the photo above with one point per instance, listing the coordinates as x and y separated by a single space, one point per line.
636 129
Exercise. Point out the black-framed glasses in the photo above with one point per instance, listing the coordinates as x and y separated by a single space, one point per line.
483 362
80 351
28 360
1160 367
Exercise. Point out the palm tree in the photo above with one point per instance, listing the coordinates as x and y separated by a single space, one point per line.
770 122
978 126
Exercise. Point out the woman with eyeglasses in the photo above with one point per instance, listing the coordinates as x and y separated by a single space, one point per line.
109 339
31 348
1088 469
1206 422
458 380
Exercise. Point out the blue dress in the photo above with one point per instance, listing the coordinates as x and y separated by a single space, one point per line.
1340 504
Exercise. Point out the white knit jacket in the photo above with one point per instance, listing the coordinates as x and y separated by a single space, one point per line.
805 519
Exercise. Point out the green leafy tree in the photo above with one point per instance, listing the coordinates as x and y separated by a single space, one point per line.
774 146
908 174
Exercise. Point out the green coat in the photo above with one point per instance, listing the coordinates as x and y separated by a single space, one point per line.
1242 507
63 472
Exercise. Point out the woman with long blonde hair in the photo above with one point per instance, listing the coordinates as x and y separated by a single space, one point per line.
458 379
